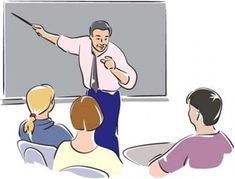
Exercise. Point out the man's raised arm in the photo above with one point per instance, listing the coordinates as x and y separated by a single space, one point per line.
53 38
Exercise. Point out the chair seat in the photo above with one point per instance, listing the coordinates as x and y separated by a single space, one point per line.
85 171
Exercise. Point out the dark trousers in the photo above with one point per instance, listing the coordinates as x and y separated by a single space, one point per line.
105 134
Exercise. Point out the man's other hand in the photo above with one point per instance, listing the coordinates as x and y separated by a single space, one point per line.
108 62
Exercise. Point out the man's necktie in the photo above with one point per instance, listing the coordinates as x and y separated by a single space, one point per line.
94 77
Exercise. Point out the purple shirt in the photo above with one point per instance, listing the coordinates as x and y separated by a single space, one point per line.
107 81
200 151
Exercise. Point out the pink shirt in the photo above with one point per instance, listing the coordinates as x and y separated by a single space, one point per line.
107 81
199 151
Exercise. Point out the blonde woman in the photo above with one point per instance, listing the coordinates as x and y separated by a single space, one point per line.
40 128
86 117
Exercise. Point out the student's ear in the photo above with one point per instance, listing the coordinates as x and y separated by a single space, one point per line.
52 104
198 115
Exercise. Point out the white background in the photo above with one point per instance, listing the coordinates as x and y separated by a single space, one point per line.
200 53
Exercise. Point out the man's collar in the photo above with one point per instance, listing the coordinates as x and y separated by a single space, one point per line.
93 50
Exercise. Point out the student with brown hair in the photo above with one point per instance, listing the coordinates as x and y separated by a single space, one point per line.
86 117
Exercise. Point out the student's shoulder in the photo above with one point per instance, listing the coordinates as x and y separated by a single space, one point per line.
187 139
221 134
104 150
65 145
225 138
22 124
107 152
63 150
60 130
184 142
61 127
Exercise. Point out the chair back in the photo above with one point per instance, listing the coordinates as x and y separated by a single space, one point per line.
38 153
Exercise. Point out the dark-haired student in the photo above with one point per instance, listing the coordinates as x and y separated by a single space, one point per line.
207 147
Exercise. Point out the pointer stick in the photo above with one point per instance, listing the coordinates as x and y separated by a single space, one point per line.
25 21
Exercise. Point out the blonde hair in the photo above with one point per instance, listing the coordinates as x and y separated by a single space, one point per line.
38 100
86 114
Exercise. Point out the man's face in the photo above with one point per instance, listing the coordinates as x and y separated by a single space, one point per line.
100 39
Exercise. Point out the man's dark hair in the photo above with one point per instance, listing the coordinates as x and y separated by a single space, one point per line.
102 25
209 104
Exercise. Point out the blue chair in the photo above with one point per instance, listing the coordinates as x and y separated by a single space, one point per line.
88 172
41 154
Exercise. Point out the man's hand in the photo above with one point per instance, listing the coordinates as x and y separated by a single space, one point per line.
108 63
53 38
39 30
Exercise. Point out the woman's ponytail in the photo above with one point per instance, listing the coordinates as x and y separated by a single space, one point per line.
29 126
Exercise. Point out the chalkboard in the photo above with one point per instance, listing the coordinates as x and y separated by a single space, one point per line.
139 29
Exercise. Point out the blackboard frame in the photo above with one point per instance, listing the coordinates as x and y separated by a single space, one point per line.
125 96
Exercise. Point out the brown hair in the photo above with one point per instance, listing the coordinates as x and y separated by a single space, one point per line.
86 114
